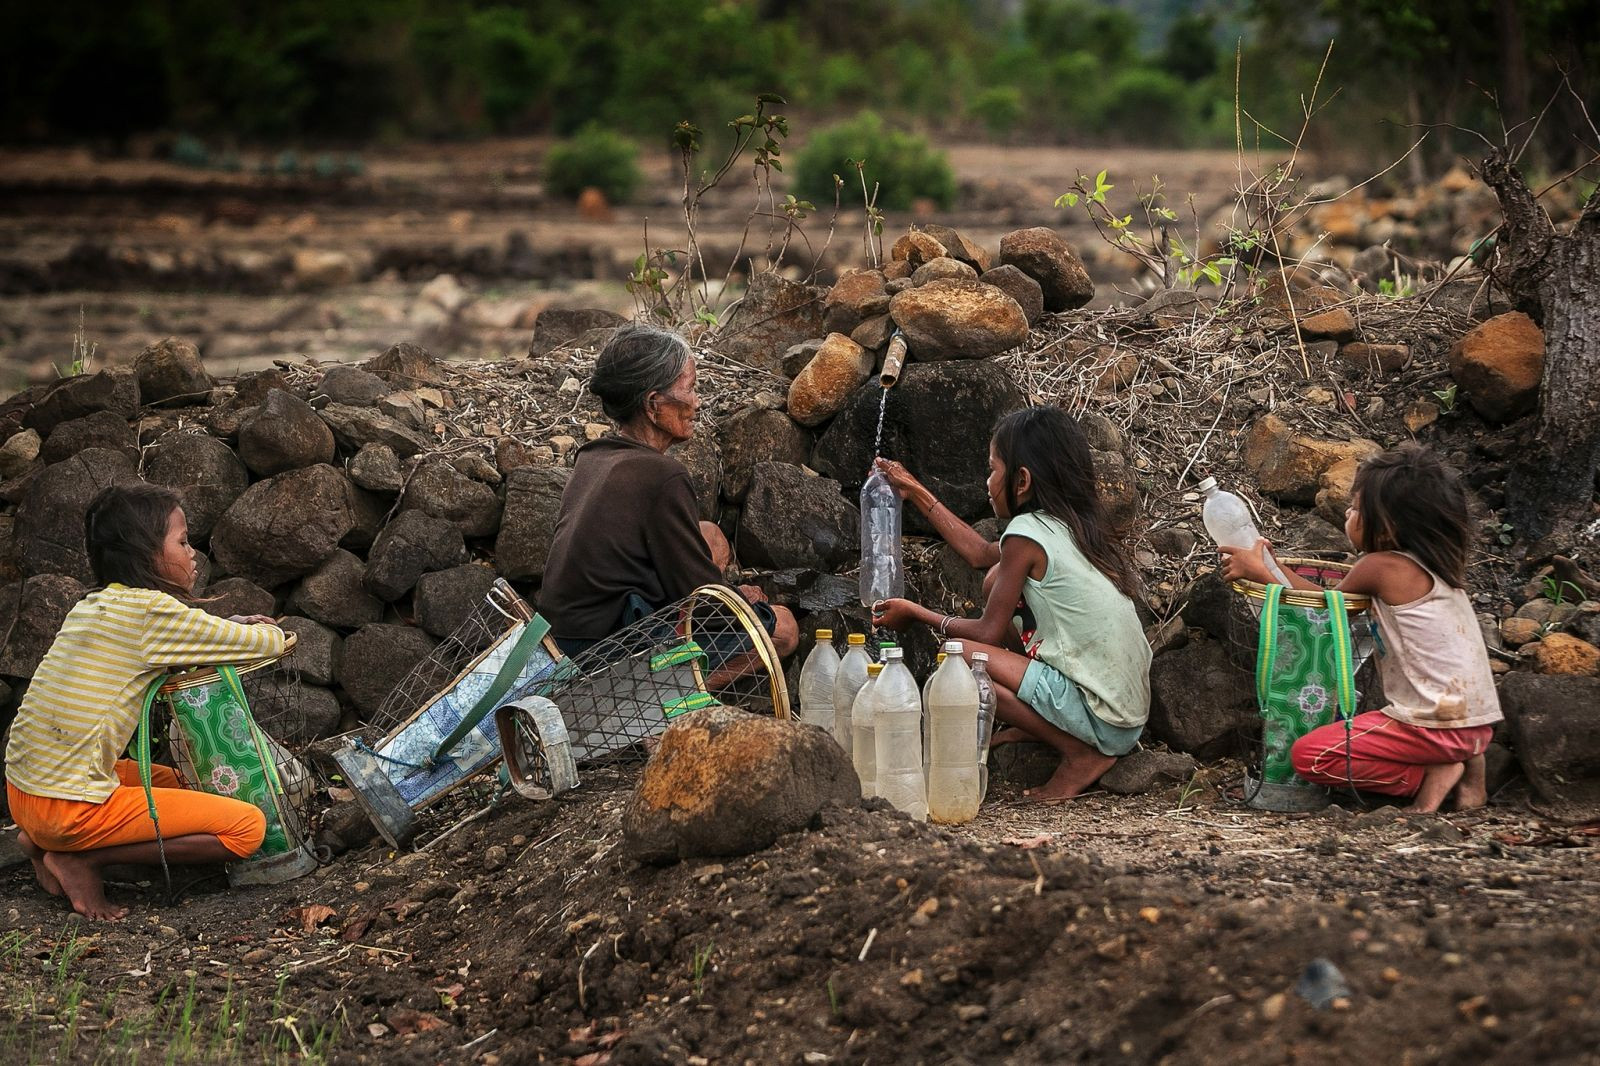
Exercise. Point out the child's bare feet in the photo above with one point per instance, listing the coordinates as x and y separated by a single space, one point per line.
1071 778
35 854
79 878
1473 791
1009 735
1437 781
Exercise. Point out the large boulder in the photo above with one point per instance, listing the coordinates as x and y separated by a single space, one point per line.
335 594
726 782
437 488
377 658
1288 466
937 421
839 368
1200 702
291 711
284 433
701 456
318 650
774 314
1498 364
533 503
1555 728
792 519
103 429
283 527
1563 653
558 327
170 372
754 435
958 319
445 598
1040 253
48 533
205 472
116 391
356 427
415 543
31 613
237 596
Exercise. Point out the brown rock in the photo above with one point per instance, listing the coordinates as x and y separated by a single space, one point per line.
376 468
235 595
109 390
377 658
1289 466
31 613
284 433
1333 324
857 294
1017 285
1556 734
958 320
18 453
561 327
283 527
916 248
774 314
944 268
1112 368
415 543
533 503
1515 632
1562 653
1119 488
356 427
702 458
1499 364
335 594
1376 358
48 530
1420 415
874 333
754 435
171 372
1044 256
405 366
103 429
204 471
317 650
352 385
1335 488
439 489
796 356
840 367
897 270
958 247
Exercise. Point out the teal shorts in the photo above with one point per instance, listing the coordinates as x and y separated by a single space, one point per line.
1059 702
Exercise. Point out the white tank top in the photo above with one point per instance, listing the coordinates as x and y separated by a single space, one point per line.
1432 660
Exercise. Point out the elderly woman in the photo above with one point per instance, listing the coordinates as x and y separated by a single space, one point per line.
629 539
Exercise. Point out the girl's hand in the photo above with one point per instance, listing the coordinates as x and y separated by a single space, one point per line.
254 619
752 594
894 614
900 479
1248 564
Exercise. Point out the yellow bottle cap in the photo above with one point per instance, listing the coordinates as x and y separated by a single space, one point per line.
824 634
939 658
874 669
856 638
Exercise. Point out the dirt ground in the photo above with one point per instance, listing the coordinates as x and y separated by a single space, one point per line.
1171 927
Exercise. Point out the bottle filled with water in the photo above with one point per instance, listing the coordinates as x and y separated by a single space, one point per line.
882 570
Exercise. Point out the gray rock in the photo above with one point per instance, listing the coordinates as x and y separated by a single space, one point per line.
1144 771
116 391
959 578
1201 703
1170 308
31 613
289 711
345 826
49 523
171 373
1044 256
726 782
377 658
774 314
352 386
205 473
335 594
103 429
1021 288
445 598
369 511
237 596
702 457
559 327
533 503
318 650
874 333
1555 731
791 519
283 527
1103 434
413 544
355 427
797 356
405 366
284 433
753 435
1025 764
440 490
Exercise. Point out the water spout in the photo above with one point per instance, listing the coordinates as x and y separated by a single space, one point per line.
894 361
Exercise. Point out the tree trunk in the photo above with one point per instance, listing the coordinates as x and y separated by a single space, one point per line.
1555 278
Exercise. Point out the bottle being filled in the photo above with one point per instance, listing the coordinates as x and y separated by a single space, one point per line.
816 682
1227 519
986 708
897 723
927 737
882 574
953 783
864 741
851 675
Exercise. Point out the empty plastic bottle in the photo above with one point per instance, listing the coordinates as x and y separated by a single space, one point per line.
851 675
897 723
1227 519
864 741
816 682
987 702
953 785
882 573
927 740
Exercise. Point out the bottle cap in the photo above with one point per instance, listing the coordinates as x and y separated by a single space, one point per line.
874 669
980 656
882 644
952 647
1207 485
856 640
824 634
894 653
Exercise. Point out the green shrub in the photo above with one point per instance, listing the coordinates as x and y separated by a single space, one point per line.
999 108
903 164
594 156
1146 105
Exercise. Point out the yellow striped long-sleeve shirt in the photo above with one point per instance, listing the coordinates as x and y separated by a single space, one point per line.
84 703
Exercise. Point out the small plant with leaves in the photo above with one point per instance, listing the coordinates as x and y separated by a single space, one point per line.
1446 397
1398 287
698 965
83 352
1154 240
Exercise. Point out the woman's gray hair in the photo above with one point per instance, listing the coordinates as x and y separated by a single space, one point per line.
635 362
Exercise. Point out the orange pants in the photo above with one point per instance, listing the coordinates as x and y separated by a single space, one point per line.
124 818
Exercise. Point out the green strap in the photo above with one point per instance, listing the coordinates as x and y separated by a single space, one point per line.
1267 644
681 654
532 633
683 704
140 750
1344 663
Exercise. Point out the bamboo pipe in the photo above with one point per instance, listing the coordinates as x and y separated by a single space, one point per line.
894 361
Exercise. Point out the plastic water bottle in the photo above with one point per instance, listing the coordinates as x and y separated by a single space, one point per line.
927 738
1227 519
816 682
953 785
986 709
882 573
852 674
897 722
864 741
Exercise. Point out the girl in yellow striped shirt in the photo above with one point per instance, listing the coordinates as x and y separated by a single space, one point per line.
80 808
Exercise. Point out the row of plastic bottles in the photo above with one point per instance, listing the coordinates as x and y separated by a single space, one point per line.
925 751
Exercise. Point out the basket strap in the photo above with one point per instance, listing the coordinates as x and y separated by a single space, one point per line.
140 749
1267 643
1344 663
522 651
681 654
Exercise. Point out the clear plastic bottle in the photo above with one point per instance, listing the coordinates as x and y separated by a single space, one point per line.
882 573
852 674
864 741
986 709
953 784
927 740
1227 519
897 725
816 682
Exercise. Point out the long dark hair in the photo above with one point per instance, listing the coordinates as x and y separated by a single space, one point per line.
1410 500
1050 443
124 530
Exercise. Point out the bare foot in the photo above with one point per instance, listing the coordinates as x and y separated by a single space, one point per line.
1437 781
80 880
1009 735
1071 778
35 854
1473 791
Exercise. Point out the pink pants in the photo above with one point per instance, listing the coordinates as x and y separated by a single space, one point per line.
1384 755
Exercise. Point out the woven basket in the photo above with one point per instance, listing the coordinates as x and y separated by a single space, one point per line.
1324 573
